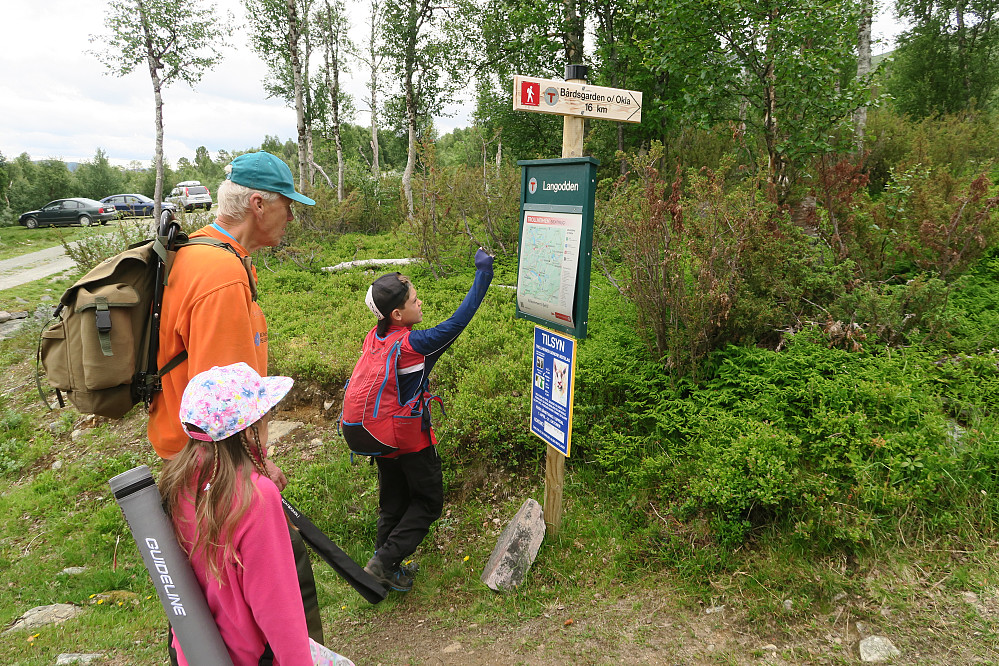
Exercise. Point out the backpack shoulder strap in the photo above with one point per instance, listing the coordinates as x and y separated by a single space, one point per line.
199 240
245 260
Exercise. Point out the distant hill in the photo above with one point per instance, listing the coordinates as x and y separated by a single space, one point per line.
878 59
69 165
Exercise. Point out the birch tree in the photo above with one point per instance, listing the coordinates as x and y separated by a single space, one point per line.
177 41
426 45
785 58
336 44
280 34
863 68
374 57
948 61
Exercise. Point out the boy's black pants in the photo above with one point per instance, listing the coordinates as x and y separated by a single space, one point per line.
410 499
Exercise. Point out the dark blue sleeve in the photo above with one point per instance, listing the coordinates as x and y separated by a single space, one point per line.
433 342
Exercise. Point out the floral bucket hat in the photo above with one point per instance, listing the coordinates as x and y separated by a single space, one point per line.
228 399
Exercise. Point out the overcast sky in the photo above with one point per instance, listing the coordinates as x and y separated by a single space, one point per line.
57 101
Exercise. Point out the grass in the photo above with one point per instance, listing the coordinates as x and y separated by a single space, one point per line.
18 240
594 595
625 580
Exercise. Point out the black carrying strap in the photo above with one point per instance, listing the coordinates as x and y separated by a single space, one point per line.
342 564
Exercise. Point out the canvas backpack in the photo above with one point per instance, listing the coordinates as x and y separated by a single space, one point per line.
101 350
375 421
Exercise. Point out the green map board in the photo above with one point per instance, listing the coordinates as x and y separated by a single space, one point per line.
556 242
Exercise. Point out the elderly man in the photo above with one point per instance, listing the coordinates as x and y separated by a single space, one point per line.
210 311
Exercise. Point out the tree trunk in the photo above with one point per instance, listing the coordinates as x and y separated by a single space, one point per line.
373 88
154 65
332 41
962 51
296 72
407 175
158 189
573 36
777 162
863 69
410 72
340 171
335 107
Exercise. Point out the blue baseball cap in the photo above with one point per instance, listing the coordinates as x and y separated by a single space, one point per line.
263 171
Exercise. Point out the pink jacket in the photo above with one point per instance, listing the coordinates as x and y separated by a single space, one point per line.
259 601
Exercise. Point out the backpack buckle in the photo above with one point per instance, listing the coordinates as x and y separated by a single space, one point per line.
103 320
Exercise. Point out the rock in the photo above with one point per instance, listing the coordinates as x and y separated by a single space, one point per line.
769 647
516 549
115 596
4 317
877 650
56 465
278 429
39 616
714 609
75 435
72 571
316 441
452 648
788 605
78 657
969 597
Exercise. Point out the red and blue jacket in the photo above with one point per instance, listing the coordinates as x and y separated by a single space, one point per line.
386 406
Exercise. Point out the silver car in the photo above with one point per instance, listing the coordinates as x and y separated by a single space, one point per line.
191 194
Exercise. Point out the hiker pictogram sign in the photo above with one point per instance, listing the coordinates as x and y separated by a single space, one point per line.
565 98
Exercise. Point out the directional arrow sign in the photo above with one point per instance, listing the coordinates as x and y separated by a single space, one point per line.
576 99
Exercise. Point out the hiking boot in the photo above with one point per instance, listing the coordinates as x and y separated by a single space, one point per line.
410 568
393 579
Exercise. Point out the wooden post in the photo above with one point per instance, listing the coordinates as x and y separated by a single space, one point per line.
554 480
572 146
572 135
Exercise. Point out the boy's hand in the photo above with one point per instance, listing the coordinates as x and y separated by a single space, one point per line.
483 261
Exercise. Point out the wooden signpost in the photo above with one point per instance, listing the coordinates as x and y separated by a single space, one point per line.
576 101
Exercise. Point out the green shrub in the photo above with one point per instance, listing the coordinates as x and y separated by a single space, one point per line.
98 246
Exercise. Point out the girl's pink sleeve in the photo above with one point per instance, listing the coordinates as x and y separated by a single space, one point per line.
270 581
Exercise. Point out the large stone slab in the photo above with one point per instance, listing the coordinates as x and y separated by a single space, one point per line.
516 549
39 616
67 658
277 430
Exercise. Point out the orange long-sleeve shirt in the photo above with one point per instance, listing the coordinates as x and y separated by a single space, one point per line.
208 309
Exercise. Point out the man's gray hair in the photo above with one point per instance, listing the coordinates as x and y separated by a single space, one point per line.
234 199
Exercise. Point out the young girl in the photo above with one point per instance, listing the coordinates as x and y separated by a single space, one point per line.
228 517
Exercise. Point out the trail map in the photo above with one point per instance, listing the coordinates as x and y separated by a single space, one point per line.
549 255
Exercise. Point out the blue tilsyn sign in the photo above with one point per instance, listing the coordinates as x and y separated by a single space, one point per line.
552 389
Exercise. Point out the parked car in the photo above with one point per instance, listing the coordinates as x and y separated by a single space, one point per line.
191 194
135 205
69 211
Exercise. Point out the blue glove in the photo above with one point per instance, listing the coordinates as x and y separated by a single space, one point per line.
483 261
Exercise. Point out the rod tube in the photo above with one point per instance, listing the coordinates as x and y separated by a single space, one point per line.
168 566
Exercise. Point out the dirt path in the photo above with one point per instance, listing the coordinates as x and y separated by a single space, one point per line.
34 266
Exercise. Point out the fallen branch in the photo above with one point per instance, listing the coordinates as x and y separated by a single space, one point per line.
362 263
